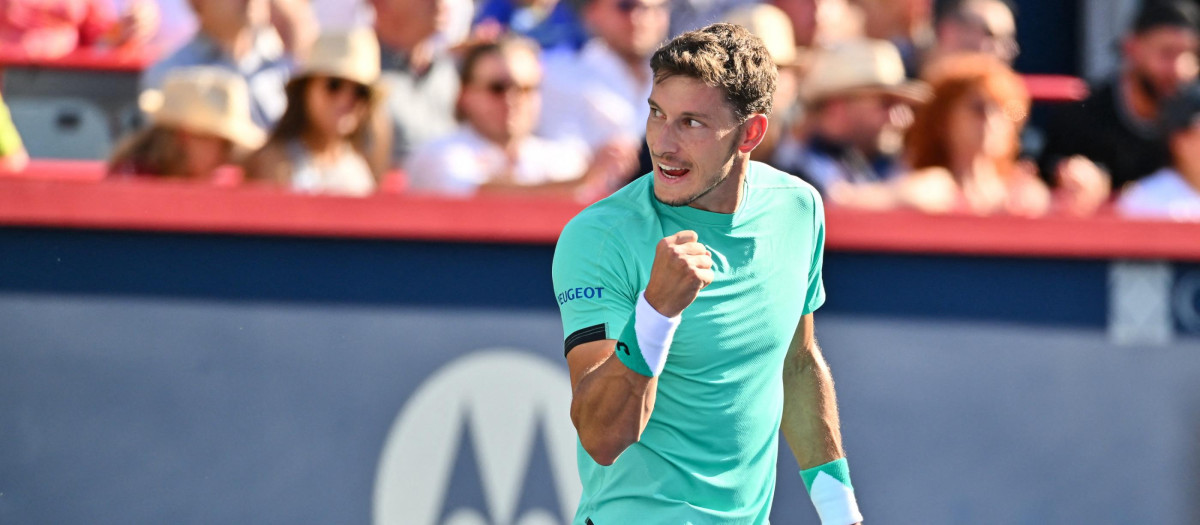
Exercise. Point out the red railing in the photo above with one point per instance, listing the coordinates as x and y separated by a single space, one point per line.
124 59
60 200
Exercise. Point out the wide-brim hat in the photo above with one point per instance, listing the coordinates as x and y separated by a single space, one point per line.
205 99
771 25
861 66
352 55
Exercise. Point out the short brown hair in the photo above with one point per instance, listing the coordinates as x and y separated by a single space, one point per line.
724 56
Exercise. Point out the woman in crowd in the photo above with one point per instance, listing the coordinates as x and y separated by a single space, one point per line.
322 142
963 146
200 122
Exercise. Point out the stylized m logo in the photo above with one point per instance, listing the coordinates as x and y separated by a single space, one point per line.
505 397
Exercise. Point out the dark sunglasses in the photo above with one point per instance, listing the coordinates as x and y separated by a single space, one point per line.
334 85
500 88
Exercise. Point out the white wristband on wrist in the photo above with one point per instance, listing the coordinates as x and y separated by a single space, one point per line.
655 332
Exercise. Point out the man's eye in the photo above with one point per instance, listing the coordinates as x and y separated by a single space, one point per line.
656 113
693 123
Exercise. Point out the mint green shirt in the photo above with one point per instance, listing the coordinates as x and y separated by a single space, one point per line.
709 450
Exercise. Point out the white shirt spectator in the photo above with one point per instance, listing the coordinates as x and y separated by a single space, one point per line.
458 164
593 97
343 15
1163 195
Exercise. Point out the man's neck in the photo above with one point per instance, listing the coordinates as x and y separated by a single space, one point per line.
1140 104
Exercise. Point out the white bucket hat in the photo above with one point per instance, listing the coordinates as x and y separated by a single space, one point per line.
860 66
352 55
205 99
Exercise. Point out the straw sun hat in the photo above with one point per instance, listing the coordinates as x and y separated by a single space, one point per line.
204 99
352 55
861 66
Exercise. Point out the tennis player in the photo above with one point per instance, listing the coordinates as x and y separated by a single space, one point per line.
687 302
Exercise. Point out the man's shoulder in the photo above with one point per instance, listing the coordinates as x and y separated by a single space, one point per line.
625 212
764 177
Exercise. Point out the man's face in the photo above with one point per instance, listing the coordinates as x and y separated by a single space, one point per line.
693 138
632 28
502 102
803 15
231 15
1163 59
421 18
983 26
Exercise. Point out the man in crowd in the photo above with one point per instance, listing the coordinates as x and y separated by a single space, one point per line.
849 95
1116 127
418 73
975 26
599 95
235 35
907 24
495 150
1172 192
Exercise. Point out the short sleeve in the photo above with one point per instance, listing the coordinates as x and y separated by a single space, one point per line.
814 297
592 283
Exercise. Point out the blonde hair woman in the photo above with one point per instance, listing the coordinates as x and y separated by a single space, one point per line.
200 121
322 144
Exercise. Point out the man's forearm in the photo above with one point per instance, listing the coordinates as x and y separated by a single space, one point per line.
610 408
810 414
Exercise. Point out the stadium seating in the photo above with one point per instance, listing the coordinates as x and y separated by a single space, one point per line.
62 127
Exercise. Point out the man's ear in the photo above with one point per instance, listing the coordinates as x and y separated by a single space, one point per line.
753 132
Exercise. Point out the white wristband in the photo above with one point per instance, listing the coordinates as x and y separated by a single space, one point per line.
834 501
655 332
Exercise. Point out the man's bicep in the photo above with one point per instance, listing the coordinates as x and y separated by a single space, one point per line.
591 287
585 358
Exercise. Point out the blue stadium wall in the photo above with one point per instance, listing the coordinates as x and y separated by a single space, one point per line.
191 378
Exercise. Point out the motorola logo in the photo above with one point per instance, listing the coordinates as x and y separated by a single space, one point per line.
486 440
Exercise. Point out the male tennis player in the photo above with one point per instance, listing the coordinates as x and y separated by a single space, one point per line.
687 302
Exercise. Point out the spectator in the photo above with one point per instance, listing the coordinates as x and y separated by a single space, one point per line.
13 157
495 150
774 28
851 94
1116 126
235 35
599 95
200 121
1172 192
551 23
963 146
975 26
419 75
46 30
908 24
321 143
818 23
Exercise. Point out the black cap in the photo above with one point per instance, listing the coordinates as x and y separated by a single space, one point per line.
1154 14
1182 111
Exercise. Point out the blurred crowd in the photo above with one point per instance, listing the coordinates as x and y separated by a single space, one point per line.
881 104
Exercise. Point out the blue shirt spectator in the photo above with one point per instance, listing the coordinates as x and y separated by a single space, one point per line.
242 42
551 26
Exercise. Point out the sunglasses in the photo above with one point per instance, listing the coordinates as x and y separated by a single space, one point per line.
499 88
336 85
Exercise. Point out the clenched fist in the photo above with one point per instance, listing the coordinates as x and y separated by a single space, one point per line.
682 267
